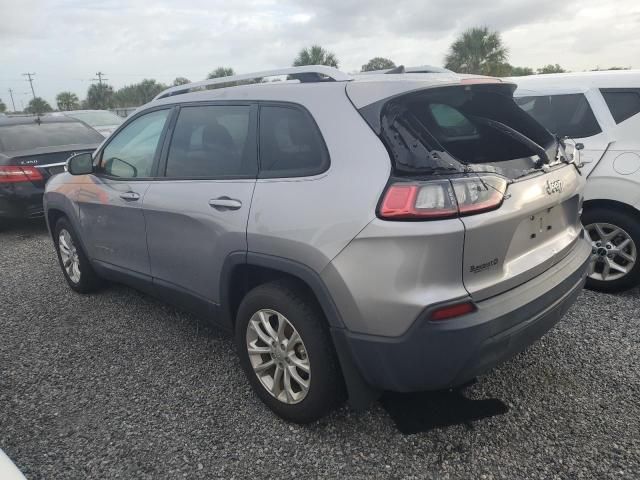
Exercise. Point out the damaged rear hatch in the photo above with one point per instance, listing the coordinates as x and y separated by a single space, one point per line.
507 178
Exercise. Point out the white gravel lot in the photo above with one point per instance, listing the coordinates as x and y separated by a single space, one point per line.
119 385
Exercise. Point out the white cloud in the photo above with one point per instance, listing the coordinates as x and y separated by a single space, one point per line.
66 41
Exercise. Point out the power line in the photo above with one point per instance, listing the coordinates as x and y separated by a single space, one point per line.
29 75
12 102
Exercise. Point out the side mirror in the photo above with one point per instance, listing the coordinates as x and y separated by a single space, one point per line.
579 146
80 164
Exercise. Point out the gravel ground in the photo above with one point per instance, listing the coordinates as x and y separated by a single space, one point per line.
119 385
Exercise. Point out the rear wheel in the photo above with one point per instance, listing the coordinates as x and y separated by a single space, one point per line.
74 263
287 354
615 239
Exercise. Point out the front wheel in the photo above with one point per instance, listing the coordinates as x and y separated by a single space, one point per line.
74 263
615 239
286 352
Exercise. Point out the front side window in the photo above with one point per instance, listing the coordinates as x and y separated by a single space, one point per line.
213 141
623 104
290 143
565 115
130 154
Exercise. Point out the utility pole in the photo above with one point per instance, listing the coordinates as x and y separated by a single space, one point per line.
30 80
99 79
12 102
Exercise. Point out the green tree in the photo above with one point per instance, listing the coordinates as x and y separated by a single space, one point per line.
138 93
67 101
181 81
3 107
100 96
377 63
221 72
37 106
521 71
477 51
551 69
315 55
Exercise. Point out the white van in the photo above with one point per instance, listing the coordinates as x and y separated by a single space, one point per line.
599 110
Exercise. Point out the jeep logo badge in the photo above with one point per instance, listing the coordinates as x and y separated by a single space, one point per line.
554 186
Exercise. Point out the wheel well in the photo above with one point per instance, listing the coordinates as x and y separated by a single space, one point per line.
53 215
246 277
612 205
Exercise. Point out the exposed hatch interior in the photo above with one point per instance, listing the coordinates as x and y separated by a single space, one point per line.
464 128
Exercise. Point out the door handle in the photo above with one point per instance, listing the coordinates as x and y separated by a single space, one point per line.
225 203
130 196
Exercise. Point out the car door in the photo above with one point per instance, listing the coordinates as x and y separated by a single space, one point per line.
110 201
197 215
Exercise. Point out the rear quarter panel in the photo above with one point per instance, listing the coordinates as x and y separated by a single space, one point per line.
311 219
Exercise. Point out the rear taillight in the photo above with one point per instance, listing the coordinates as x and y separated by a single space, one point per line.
16 174
437 199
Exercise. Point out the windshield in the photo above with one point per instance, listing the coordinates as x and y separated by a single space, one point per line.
99 118
32 135
462 129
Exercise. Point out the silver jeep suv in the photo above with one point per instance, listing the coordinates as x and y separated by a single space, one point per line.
397 231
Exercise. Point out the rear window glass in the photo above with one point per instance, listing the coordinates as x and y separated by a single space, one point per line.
623 104
32 135
290 143
565 115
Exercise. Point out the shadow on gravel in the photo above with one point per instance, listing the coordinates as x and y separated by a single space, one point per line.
424 411
23 228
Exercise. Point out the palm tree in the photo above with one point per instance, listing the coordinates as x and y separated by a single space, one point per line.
221 72
477 51
315 55
378 63
38 105
67 101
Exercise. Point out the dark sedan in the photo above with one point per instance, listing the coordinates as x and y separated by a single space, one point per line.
32 150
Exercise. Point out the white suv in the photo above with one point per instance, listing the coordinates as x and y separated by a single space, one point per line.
599 110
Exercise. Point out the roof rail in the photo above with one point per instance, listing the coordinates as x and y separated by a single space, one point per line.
402 69
307 73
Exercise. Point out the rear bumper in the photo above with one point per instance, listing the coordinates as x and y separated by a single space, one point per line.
436 355
21 200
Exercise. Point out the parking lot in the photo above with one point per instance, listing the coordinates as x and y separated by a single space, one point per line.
119 385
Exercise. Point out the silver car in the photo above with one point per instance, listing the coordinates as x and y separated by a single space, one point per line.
396 231
102 121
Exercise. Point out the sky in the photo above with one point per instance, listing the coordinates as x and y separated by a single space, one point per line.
65 42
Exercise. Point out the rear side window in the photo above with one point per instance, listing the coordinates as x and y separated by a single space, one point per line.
565 115
213 141
32 135
290 143
623 104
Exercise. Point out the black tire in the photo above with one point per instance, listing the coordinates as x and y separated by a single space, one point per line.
89 280
631 225
326 387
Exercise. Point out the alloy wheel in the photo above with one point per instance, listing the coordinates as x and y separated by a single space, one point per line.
278 356
613 253
69 255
